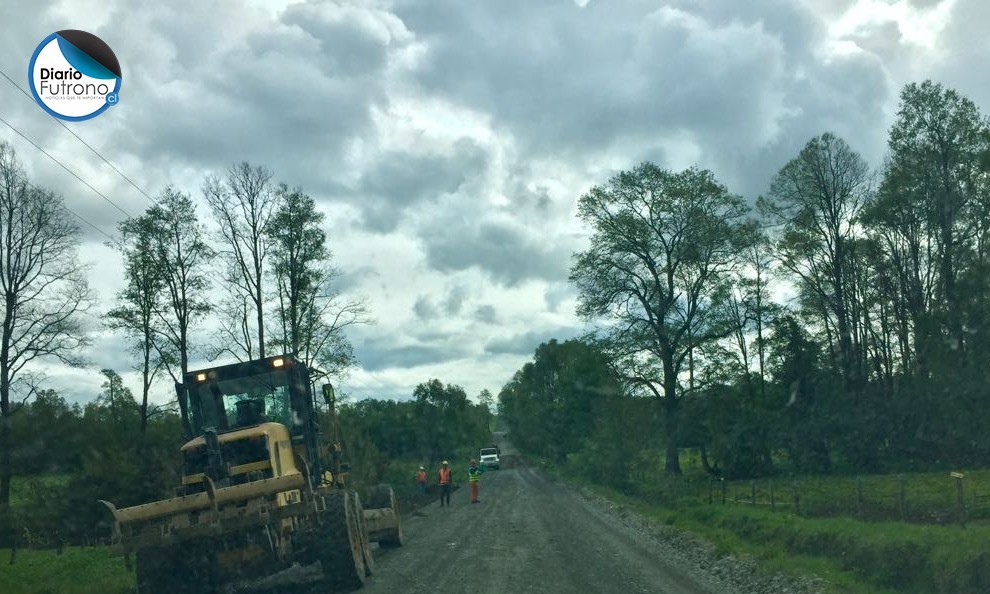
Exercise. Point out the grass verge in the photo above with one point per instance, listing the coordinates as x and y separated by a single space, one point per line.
850 556
76 571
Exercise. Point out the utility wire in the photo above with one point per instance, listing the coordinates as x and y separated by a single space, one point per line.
79 138
63 166
112 239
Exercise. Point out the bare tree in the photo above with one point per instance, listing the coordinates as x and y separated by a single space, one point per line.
243 204
43 291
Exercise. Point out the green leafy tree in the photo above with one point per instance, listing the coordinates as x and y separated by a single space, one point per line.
312 314
140 302
663 248
181 256
816 199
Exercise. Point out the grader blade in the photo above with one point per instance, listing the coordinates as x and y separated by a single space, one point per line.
211 512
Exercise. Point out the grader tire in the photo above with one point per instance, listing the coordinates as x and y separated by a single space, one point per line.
362 531
341 556
382 496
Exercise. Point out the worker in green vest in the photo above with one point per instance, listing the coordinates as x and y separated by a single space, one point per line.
474 475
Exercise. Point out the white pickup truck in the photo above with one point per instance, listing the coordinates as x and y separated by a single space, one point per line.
489 457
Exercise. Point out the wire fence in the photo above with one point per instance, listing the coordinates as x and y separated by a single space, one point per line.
923 498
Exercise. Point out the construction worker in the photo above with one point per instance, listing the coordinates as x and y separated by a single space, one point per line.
421 480
474 474
444 480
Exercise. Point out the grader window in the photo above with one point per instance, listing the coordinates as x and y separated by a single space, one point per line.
249 400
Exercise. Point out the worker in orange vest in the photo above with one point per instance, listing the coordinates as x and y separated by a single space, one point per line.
474 475
444 480
421 480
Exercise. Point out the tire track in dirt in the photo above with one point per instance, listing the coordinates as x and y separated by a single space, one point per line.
530 534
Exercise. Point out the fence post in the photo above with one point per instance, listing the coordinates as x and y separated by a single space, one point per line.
773 500
959 497
723 490
797 500
859 495
710 486
901 497
752 492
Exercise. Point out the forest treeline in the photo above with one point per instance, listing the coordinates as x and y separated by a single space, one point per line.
69 456
877 363
251 273
242 272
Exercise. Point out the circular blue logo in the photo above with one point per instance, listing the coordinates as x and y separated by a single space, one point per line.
74 75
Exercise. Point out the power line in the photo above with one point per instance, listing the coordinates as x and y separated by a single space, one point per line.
63 166
113 239
80 139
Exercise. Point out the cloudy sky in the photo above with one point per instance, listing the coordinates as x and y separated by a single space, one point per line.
448 141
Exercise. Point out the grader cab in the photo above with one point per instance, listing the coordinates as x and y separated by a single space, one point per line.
263 491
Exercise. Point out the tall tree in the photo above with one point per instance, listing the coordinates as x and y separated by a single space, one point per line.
934 196
312 314
140 302
43 291
181 256
663 247
243 204
758 271
816 199
442 411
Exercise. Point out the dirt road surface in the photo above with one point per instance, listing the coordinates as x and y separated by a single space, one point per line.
528 534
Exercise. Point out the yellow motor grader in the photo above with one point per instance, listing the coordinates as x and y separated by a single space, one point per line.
262 492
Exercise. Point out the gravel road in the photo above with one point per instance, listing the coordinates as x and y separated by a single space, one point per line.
530 533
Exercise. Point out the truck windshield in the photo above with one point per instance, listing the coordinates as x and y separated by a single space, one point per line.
489 452
243 401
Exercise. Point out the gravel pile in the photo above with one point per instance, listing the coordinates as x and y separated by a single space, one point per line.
722 574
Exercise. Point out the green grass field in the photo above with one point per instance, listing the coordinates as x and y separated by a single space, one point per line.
76 571
22 488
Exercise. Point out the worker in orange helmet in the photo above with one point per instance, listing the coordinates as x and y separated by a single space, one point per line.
421 480
474 475
444 480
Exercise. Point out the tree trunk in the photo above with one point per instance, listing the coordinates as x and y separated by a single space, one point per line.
5 447
145 380
261 305
673 462
5 461
704 460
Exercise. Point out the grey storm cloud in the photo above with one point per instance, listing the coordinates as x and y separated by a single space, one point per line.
509 253
485 314
448 305
291 93
732 79
376 356
526 342
401 181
